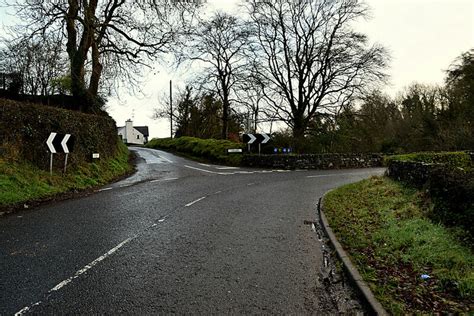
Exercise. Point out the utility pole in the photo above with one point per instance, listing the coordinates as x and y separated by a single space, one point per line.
171 108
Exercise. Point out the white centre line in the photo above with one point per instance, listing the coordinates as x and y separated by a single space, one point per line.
193 202
78 273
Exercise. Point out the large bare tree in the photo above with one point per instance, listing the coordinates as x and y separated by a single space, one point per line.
310 58
123 35
219 44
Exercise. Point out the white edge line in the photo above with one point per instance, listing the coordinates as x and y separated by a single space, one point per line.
193 202
336 174
79 273
105 189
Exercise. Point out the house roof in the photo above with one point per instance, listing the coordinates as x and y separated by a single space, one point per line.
142 129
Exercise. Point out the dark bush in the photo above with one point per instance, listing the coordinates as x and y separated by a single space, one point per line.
453 194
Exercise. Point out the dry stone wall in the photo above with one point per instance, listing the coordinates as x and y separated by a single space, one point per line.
315 161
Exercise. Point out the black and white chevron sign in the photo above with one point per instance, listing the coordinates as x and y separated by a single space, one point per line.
256 138
60 143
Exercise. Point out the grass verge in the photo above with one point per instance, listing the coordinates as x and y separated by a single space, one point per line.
384 228
212 150
23 182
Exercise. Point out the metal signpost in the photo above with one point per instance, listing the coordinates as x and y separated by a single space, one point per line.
59 143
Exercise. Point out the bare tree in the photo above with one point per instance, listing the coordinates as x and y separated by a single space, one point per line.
119 34
310 58
219 44
37 60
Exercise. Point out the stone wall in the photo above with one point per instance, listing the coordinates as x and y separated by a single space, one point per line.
450 188
411 172
316 161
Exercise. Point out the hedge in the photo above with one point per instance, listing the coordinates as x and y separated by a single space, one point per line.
25 128
213 150
448 178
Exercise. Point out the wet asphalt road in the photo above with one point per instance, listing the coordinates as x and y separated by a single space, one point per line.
176 237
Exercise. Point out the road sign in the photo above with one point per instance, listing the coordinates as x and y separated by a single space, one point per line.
234 150
60 143
249 138
262 138
256 138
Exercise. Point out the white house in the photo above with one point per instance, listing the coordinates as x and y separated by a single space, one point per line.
133 134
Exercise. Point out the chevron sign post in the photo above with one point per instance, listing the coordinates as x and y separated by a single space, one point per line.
256 139
59 143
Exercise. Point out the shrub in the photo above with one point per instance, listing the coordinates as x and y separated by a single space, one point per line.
209 149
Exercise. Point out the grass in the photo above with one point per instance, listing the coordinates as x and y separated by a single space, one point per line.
212 150
22 182
383 226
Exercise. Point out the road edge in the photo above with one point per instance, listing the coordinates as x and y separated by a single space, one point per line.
366 294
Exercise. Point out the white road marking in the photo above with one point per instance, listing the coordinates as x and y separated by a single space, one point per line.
91 265
27 308
161 220
105 189
205 165
163 157
78 273
162 180
204 170
125 185
227 168
245 172
194 202
337 174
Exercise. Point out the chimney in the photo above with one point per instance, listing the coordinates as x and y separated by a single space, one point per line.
129 130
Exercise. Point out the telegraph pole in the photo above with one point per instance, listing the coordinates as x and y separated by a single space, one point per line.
171 108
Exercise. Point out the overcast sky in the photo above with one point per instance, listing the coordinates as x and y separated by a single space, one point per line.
423 37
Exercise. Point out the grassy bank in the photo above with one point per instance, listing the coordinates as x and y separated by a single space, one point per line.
411 263
22 182
210 150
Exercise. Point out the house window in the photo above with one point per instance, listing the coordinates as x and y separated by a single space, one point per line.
138 136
